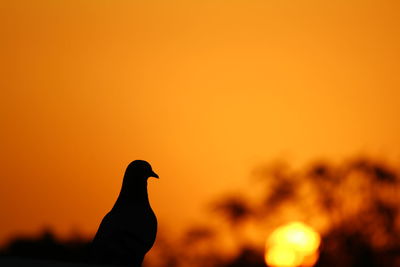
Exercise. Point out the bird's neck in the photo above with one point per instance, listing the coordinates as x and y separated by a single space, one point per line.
133 193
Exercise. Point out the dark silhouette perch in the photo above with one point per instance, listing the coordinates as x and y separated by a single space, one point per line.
129 230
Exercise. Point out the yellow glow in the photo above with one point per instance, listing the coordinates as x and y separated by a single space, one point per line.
279 255
293 244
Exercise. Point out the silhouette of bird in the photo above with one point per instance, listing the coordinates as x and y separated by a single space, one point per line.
129 230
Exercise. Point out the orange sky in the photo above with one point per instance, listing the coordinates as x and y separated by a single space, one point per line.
204 91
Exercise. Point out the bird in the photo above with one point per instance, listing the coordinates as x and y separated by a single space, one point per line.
129 230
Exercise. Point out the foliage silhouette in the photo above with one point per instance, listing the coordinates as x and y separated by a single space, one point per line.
353 205
47 247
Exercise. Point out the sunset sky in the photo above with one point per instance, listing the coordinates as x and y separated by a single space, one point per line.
203 90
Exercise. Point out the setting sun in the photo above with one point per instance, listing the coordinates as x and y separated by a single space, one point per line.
291 245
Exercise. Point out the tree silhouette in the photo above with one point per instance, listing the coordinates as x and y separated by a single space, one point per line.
354 205
47 247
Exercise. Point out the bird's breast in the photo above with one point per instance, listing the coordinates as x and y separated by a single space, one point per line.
140 223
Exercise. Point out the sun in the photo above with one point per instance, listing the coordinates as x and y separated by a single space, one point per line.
291 245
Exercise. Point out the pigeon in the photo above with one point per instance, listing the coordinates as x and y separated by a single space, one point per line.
129 230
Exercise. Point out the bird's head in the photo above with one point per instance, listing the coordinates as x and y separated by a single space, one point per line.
140 168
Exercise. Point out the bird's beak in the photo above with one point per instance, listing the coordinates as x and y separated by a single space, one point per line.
153 174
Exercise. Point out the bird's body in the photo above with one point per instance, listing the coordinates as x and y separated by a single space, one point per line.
129 230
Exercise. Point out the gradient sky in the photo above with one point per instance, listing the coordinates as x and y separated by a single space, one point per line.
205 91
